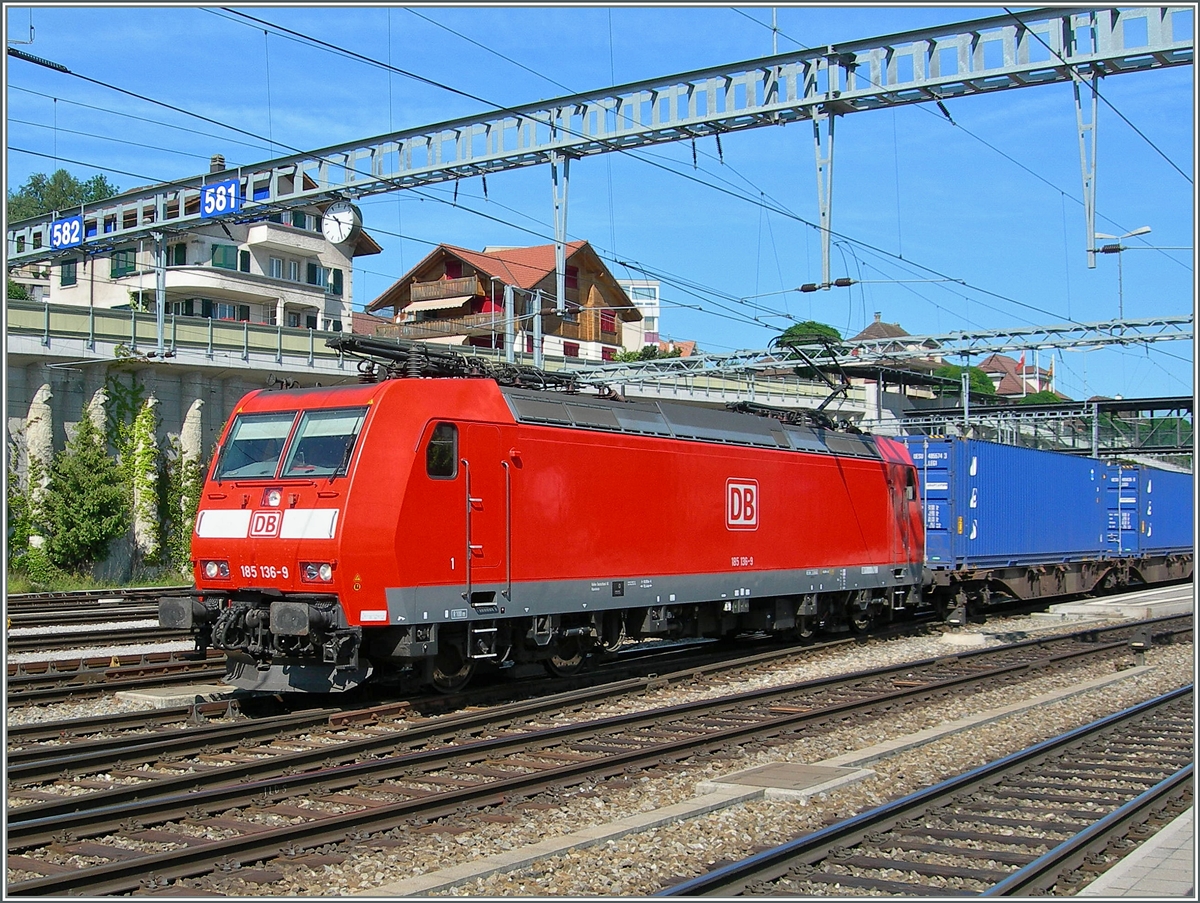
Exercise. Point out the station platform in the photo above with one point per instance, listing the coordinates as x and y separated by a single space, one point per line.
1159 602
1163 866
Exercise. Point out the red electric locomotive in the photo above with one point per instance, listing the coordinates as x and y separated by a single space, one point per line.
431 525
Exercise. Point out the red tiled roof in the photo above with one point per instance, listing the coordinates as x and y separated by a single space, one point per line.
686 349
881 330
520 267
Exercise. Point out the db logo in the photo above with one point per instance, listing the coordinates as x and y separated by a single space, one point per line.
741 504
265 523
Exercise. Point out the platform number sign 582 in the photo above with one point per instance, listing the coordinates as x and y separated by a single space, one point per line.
66 233
741 504
220 198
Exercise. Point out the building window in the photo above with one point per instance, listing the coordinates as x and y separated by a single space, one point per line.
299 218
182 308
441 454
335 284
529 344
608 321
224 311
68 273
607 354
650 324
244 261
317 275
293 320
123 263
224 256
570 349
310 322
177 255
293 270
276 264
572 277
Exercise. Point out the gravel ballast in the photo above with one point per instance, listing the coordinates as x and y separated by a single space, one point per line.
642 863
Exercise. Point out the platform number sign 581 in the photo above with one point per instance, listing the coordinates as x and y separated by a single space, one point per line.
220 198
741 504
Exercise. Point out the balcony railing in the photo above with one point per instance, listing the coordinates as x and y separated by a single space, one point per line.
472 325
444 288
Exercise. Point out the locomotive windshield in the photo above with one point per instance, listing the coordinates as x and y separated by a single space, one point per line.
323 443
254 445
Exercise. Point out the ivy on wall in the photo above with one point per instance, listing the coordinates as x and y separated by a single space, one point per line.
141 460
184 477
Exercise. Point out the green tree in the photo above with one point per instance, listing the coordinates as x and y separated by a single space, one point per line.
649 353
981 383
60 191
16 291
1043 397
85 505
20 510
808 332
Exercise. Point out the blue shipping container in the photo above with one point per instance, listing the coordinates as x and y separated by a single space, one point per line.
992 505
1121 509
1166 515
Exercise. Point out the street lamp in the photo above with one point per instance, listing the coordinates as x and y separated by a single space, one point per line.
1117 249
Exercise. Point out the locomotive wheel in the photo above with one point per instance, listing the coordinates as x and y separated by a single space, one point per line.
567 659
451 669
860 613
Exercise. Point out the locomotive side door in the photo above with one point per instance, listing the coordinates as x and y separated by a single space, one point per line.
486 501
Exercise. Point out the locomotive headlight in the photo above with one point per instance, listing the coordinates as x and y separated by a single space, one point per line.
216 570
272 498
316 571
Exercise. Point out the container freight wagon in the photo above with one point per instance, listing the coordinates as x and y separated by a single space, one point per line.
1150 521
1003 522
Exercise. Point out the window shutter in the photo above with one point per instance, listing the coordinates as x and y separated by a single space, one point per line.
243 311
337 281
206 308
244 261
188 307
312 274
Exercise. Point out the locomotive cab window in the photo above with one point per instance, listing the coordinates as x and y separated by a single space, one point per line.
441 454
254 445
324 443
910 484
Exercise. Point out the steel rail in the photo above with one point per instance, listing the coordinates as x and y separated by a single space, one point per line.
1041 874
123 876
776 861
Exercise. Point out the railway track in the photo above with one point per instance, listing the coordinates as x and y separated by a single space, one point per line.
85 606
59 681
90 636
1032 823
155 821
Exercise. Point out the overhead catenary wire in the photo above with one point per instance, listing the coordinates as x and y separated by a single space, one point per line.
701 181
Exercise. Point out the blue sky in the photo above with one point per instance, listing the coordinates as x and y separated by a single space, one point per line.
993 200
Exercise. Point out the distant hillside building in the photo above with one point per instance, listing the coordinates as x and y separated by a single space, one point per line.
645 294
455 296
1015 379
